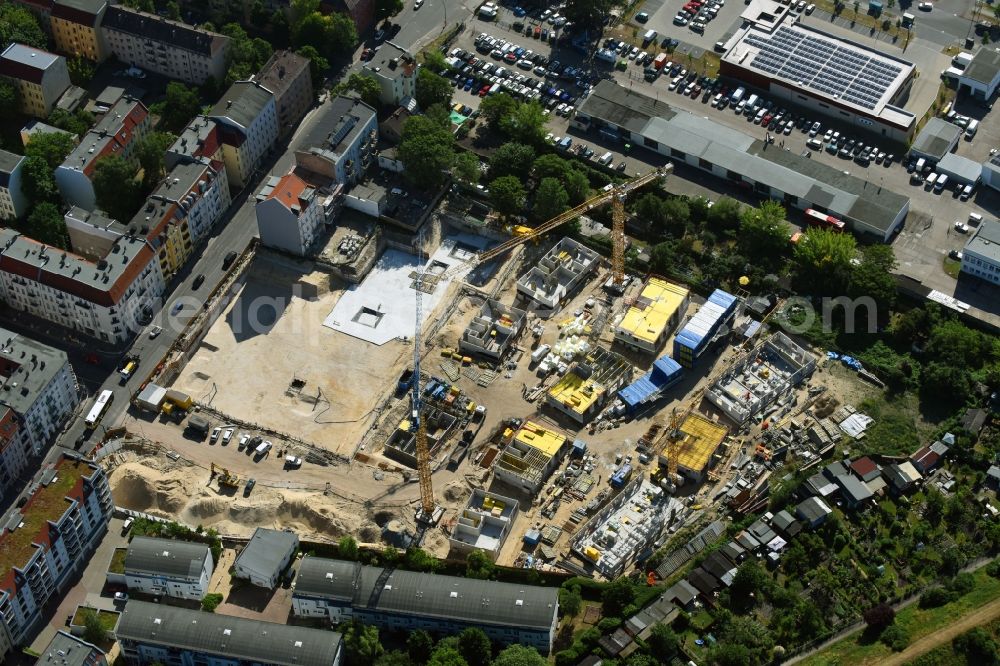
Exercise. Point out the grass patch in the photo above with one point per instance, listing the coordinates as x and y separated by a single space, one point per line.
896 430
118 561
915 621
108 618
701 620
952 267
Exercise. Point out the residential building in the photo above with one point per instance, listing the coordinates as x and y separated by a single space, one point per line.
48 540
800 64
171 48
396 72
929 457
530 456
653 316
558 274
682 593
408 600
266 557
118 133
640 625
33 127
484 524
65 649
200 191
293 212
813 511
38 386
342 142
625 115
700 439
76 28
157 633
391 128
248 129
589 384
107 299
902 476
981 256
40 77
981 76
865 468
786 524
13 202
92 234
165 227
199 139
494 331
181 569
287 76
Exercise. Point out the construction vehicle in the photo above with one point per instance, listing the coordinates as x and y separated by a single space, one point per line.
226 479
178 399
428 508
129 364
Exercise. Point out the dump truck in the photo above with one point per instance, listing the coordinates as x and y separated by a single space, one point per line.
178 399
405 380
129 364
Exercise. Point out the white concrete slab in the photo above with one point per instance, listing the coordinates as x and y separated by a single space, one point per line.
383 307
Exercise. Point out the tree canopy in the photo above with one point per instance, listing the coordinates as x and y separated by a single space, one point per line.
245 56
115 188
317 65
550 199
180 105
365 86
19 25
427 149
150 154
45 223
512 159
822 261
332 35
764 233
386 8
432 89
519 655
507 195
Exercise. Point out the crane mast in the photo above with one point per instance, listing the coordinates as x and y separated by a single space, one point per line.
420 432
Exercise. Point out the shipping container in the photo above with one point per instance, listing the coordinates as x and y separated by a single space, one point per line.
660 61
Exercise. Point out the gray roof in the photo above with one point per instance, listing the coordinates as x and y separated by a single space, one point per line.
428 595
811 181
156 28
29 56
984 67
937 138
337 125
86 6
854 488
962 168
813 509
682 591
281 69
67 650
165 557
242 103
9 162
251 640
31 367
993 472
266 549
384 57
785 522
986 241
835 469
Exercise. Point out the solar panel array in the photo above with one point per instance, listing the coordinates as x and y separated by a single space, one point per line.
825 66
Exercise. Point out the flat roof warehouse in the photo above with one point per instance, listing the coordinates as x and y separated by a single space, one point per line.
728 153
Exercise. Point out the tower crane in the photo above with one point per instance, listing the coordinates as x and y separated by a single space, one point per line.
427 506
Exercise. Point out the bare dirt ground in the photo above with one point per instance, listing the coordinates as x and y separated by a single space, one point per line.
983 615
274 334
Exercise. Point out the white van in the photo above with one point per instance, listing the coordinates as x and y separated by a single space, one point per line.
921 163
930 180
540 353
649 37
737 95
606 159
752 104
971 130
263 448
941 183
814 144
975 219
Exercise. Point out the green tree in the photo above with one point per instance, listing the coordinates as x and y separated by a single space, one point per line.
577 187
507 195
945 383
526 123
872 276
434 60
361 644
616 596
725 215
587 13
478 565
475 647
394 658
446 655
347 548
467 167
763 232
419 645
427 150
52 148
749 583
550 199
570 600
331 35
245 56
419 559
365 86
10 101
497 107
519 655
318 64
386 8
17 24
150 153
879 616
141 5
895 637
180 105
81 71
978 647
44 153
211 601
77 123
93 628
46 224
822 260
663 643
115 188
432 89
550 165
300 9
512 159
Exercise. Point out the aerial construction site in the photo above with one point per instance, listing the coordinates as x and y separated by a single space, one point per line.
516 393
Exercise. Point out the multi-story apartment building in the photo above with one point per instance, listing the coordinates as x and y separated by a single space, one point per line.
180 569
266 556
13 203
117 133
92 233
342 142
200 191
287 76
199 139
396 72
161 634
38 385
400 600
65 649
292 212
41 77
49 539
76 28
171 48
248 128
107 299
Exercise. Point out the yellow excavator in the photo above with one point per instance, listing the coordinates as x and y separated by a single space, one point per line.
226 479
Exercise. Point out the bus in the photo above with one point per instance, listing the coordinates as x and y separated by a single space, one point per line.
98 410
818 219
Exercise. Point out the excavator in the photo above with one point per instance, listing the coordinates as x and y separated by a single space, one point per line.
226 479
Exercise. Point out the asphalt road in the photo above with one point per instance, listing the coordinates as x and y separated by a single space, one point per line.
417 27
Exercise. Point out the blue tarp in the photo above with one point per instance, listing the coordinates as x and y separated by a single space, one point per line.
664 373
698 332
